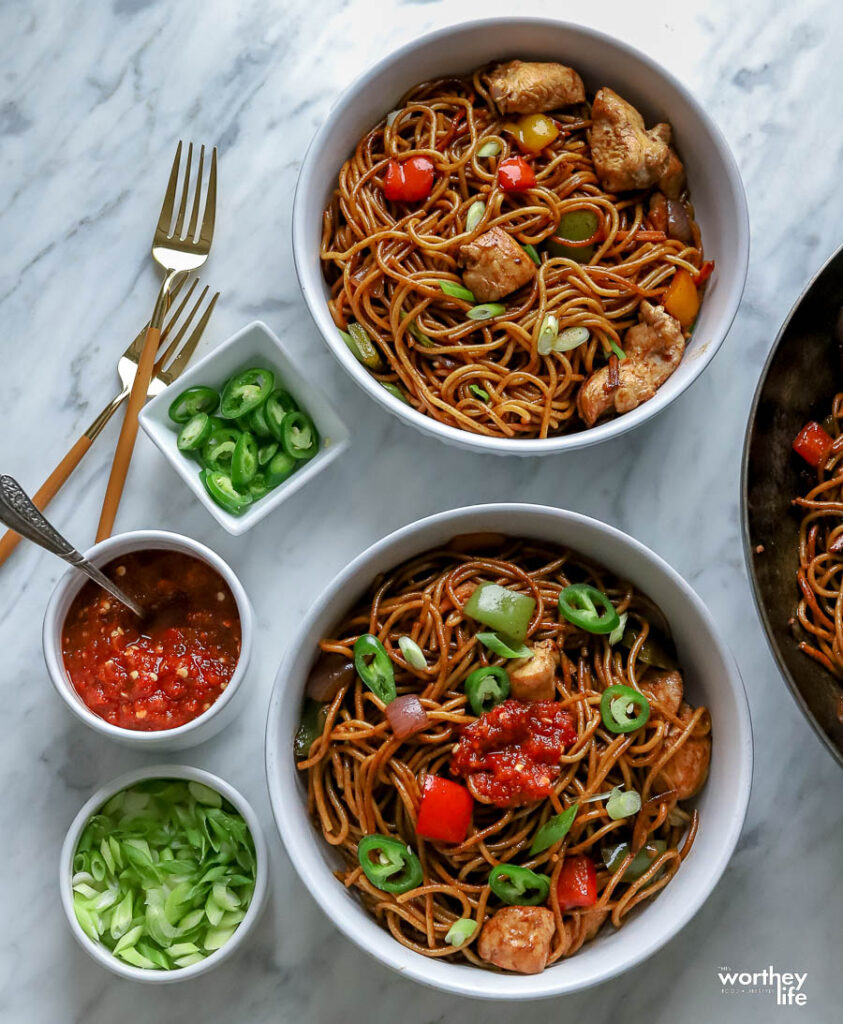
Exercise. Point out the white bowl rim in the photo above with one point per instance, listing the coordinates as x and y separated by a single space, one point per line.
285 800
51 635
95 801
503 446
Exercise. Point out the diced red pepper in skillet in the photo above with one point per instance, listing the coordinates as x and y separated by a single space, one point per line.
813 443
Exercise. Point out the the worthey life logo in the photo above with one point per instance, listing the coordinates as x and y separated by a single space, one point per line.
787 986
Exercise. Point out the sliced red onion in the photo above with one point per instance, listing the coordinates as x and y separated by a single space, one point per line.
406 716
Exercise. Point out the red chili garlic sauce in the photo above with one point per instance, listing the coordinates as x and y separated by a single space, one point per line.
163 672
510 755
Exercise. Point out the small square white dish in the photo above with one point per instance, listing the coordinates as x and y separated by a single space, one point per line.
253 345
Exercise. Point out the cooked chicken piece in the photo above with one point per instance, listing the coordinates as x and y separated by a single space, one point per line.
527 87
625 154
495 265
518 939
653 348
673 180
665 689
592 921
535 678
687 770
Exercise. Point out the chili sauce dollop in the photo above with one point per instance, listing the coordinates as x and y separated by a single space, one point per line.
165 671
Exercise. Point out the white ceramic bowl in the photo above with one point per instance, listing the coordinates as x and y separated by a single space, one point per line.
711 678
713 176
99 952
206 725
254 345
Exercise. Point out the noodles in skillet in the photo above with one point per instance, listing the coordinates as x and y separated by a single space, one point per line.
491 770
533 274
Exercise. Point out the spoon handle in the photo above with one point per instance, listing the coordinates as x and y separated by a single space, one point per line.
19 514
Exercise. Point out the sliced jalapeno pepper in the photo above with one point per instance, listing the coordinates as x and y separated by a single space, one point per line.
218 484
310 727
389 864
266 451
244 461
277 405
517 886
279 467
374 667
299 438
257 421
194 433
192 401
258 487
246 391
588 608
219 448
624 709
486 687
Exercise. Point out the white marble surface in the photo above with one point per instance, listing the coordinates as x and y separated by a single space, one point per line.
93 97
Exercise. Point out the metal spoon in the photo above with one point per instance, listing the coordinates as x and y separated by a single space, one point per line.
19 514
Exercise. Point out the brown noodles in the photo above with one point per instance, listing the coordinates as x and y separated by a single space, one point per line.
384 263
361 779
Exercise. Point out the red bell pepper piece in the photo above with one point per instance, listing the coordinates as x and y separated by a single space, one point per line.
445 811
516 175
408 181
577 885
813 443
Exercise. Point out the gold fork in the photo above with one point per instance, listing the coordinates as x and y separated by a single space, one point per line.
168 368
177 253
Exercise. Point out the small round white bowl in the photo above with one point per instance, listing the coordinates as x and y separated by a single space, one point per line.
206 725
713 177
99 952
711 677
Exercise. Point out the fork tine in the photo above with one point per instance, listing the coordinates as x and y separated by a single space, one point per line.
189 347
170 196
174 344
134 350
178 228
207 233
174 316
197 196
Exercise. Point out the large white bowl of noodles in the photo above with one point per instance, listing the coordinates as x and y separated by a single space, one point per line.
711 678
713 179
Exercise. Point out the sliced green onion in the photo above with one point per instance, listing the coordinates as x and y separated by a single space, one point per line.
413 654
475 214
392 116
457 291
554 830
596 797
361 346
461 931
163 874
479 392
489 148
616 635
486 311
504 646
395 391
570 338
619 352
548 334
613 858
418 334
623 804
533 254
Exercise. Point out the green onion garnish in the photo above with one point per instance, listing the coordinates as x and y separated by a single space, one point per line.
413 328
623 804
554 830
456 291
548 334
486 311
461 931
475 214
615 347
490 148
504 646
570 338
616 635
479 392
395 391
413 654
533 254
163 874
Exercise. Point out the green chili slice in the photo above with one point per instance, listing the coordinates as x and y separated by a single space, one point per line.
218 484
501 609
279 467
554 829
218 450
266 451
257 421
276 407
504 646
246 391
624 709
192 401
194 433
299 437
389 864
374 667
258 487
579 604
486 687
310 728
614 856
244 461
518 886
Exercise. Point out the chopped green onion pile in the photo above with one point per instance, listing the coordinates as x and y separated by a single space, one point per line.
163 874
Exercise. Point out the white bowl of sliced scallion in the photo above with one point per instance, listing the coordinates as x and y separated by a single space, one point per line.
163 873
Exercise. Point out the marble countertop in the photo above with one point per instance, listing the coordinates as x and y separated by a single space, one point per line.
94 97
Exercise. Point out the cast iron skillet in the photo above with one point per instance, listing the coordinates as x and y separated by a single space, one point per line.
801 377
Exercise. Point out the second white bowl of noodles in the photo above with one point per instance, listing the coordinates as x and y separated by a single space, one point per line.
713 180
711 678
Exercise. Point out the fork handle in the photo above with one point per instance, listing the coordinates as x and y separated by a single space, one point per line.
128 432
48 490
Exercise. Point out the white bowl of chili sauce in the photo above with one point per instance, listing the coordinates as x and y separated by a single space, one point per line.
165 685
